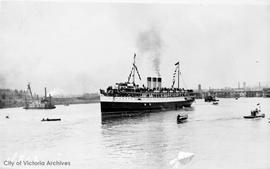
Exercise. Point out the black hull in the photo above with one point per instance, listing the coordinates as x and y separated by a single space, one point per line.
50 120
121 109
253 117
182 120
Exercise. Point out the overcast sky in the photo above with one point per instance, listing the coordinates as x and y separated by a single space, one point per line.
75 47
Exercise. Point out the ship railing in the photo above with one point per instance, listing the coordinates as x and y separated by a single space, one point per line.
145 95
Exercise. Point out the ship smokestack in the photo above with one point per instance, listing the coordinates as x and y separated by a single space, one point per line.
45 93
154 80
50 97
159 80
149 81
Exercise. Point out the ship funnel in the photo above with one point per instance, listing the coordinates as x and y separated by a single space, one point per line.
159 81
149 82
154 80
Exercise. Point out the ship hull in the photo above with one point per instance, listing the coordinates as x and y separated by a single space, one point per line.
39 106
118 108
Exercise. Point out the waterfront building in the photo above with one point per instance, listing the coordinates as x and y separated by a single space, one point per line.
266 92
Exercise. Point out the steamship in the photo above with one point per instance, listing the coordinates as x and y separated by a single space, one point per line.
128 98
36 103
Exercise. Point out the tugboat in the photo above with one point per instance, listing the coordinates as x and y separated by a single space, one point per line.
128 98
36 103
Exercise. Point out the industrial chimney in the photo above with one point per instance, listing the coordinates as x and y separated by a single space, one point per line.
45 93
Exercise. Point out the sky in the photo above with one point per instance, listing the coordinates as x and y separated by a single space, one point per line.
78 47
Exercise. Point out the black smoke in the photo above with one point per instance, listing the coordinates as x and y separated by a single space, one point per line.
150 43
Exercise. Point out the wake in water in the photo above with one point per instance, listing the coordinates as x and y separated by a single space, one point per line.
220 119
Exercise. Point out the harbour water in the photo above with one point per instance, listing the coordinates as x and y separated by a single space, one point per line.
217 135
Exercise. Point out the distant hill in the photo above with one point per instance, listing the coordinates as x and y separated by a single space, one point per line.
11 98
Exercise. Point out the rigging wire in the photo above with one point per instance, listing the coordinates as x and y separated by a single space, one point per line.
185 85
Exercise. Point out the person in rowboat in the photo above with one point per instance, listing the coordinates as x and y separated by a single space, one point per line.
256 111
178 117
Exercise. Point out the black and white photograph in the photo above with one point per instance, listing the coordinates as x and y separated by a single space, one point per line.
154 84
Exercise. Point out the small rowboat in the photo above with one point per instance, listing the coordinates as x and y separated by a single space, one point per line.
182 118
253 117
215 103
50 119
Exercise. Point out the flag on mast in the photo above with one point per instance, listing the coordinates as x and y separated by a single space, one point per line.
176 64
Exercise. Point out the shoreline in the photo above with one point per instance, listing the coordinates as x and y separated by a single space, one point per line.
90 102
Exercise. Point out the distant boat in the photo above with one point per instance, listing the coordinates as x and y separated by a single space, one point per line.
210 98
36 103
215 103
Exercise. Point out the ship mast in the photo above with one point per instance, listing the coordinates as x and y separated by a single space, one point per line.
134 68
133 72
29 88
178 67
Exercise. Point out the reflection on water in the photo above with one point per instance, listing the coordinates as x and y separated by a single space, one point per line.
217 135
125 119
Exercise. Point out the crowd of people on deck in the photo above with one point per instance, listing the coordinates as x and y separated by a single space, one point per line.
123 90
